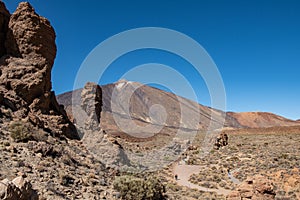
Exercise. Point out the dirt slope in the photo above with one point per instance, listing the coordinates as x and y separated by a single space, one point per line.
261 119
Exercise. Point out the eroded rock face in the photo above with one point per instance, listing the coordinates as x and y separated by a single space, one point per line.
91 103
19 188
28 51
32 34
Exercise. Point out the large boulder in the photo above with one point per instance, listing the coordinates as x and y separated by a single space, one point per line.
19 188
221 140
27 59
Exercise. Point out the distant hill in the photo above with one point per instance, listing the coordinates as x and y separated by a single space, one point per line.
269 130
261 119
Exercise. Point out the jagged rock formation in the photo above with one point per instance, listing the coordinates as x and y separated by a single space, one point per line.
28 50
221 141
19 188
91 103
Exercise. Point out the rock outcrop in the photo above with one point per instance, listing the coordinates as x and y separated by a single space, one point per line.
19 188
257 187
100 144
221 140
28 50
91 103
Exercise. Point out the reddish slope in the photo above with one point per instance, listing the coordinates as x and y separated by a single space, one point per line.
261 119
270 130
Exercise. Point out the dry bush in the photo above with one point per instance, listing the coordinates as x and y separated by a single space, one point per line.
21 131
134 188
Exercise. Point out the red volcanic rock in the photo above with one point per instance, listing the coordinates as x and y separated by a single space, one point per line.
27 58
32 34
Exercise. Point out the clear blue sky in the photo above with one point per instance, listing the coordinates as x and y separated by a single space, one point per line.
254 43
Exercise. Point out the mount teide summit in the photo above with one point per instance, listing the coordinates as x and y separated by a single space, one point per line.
147 106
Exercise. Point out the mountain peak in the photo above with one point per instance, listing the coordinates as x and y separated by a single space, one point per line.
122 81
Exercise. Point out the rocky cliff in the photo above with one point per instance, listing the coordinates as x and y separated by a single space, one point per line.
28 50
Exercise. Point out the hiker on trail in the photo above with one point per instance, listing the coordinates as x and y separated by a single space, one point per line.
176 177
228 171
225 139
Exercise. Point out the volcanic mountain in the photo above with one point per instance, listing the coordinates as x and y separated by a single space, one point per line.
141 109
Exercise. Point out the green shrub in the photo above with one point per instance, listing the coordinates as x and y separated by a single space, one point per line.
134 188
6 143
21 131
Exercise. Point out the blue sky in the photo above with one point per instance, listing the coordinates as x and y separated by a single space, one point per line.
255 44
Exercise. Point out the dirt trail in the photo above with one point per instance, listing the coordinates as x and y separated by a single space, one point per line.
185 171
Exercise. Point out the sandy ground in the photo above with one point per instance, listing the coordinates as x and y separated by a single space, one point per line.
184 171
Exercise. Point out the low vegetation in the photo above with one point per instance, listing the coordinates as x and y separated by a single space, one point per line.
272 155
135 188
21 131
